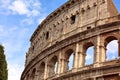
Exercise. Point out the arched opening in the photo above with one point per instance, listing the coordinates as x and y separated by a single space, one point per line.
55 69
47 35
73 17
69 59
53 65
111 44
89 56
33 74
70 64
89 52
41 70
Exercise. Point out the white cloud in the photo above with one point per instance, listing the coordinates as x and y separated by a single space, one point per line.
31 10
112 50
14 71
19 7
28 21
4 3
88 57
90 53
112 47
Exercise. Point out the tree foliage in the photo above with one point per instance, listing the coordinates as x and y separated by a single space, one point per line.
3 65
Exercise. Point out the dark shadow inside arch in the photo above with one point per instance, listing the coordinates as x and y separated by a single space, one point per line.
53 65
69 59
41 70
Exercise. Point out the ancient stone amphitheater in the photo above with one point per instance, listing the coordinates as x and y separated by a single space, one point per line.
69 31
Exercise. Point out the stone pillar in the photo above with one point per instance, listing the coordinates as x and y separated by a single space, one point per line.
61 63
76 56
37 75
94 78
66 67
97 55
103 53
59 69
46 72
81 57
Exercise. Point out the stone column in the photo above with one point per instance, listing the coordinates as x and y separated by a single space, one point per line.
103 53
76 57
59 69
97 55
37 75
46 72
81 57
94 78
61 65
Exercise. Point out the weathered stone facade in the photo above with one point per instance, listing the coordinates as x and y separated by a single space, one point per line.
72 29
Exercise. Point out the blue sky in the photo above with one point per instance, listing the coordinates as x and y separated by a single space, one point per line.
18 20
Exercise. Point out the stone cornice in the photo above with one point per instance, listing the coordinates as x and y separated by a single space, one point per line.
65 6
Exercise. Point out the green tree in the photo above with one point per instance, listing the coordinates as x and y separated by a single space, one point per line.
3 65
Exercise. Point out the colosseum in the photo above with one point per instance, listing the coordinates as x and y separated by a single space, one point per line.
68 32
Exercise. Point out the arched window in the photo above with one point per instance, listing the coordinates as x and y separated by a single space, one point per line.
47 35
69 59
41 70
56 66
70 64
73 17
89 52
111 44
112 50
89 56
53 65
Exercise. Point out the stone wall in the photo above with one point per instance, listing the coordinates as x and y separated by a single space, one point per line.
72 29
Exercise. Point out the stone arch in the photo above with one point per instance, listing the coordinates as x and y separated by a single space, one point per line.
109 39
68 64
89 55
33 74
53 65
111 52
41 70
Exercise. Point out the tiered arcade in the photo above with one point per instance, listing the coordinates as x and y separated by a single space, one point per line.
70 31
